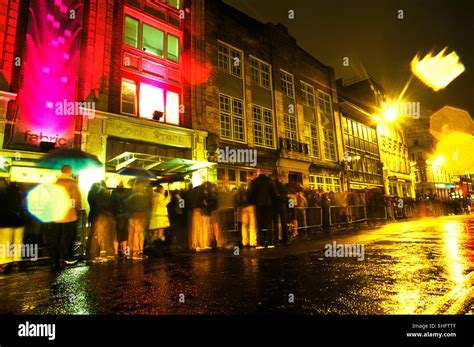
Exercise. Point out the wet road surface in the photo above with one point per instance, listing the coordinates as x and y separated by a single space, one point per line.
413 267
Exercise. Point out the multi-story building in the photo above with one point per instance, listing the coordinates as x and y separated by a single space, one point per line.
432 177
113 78
368 94
361 159
265 93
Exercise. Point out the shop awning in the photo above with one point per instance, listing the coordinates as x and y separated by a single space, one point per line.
160 165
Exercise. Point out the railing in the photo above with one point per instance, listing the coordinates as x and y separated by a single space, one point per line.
307 218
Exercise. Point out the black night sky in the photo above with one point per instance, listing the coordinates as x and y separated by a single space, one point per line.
375 40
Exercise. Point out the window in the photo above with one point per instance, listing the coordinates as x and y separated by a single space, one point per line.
311 134
287 83
128 103
151 100
290 127
230 60
324 183
262 126
173 48
173 3
232 118
260 73
329 141
329 145
415 142
131 32
324 103
307 94
152 40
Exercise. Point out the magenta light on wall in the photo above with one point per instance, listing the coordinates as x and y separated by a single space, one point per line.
50 72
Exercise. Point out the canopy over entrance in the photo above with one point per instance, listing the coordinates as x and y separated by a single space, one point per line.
160 165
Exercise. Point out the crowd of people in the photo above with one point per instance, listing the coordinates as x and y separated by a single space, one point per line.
146 219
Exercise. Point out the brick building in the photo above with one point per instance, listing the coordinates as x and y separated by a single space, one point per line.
267 94
127 66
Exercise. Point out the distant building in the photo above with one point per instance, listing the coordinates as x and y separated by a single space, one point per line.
391 163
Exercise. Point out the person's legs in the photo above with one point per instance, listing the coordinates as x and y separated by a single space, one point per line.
244 218
18 240
252 225
68 237
55 243
283 213
6 238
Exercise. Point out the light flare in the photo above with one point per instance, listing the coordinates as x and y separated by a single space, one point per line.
437 71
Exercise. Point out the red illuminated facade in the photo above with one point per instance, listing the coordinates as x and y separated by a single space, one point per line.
126 76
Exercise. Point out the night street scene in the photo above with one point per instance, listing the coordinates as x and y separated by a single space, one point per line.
273 158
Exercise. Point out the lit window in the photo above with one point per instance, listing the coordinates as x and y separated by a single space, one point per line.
131 32
152 40
286 83
129 97
173 48
151 100
172 107
290 129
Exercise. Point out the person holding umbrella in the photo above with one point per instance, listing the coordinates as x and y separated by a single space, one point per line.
64 230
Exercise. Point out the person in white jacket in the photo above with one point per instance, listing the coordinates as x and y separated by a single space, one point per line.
159 213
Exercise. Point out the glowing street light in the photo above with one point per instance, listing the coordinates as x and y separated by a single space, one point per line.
437 71
390 111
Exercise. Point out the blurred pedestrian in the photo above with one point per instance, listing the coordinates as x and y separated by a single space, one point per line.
203 202
120 197
102 223
280 210
247 217
138 207
64 230
159 214
262 194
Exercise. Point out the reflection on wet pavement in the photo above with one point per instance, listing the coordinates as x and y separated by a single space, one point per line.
408 268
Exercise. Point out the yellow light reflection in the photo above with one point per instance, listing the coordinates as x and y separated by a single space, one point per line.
454 261
437 71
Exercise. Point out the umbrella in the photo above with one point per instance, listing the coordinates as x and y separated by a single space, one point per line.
450 119
75 158
137 172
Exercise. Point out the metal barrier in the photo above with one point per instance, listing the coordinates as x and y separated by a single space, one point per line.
308 217
346 215
227 219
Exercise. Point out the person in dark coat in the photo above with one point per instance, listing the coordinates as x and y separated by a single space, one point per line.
102 221
262 193
12 222
138 211
280 210
120 197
